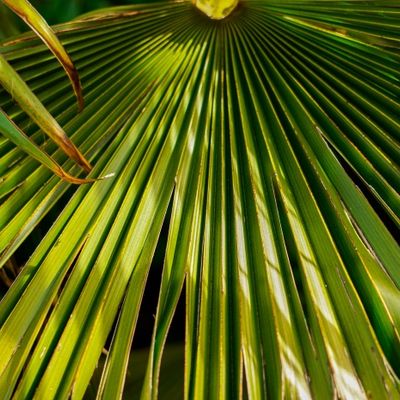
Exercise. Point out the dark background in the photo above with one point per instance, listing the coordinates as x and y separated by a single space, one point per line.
55 12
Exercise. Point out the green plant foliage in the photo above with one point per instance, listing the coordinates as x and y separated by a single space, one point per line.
171 374
28 101
15 135
8 23
56 11
274 137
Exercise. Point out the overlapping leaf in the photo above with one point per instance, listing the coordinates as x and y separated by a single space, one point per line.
258 129
22 94
15 135
28 13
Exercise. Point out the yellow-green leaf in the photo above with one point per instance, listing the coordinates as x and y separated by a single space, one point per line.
28 101
18 137
29 14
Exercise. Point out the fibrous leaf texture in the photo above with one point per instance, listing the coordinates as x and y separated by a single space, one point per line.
273 136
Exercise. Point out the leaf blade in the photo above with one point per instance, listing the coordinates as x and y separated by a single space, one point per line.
29 14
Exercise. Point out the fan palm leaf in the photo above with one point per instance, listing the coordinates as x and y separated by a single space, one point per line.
18 89
29 14
258 132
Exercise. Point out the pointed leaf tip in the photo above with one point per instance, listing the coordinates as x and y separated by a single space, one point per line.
35 21
11 131
28 101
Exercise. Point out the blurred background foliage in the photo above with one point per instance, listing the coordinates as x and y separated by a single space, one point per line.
9 24
55 12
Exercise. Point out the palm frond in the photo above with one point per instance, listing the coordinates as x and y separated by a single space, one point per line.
259 130
28 13
18 89
15 135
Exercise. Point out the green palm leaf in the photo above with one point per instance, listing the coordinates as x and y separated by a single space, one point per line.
15 135
18 89
29 14
258 130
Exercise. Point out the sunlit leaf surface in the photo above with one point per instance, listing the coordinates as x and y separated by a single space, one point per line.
15 135
29 14
22 94
27 100
274 137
